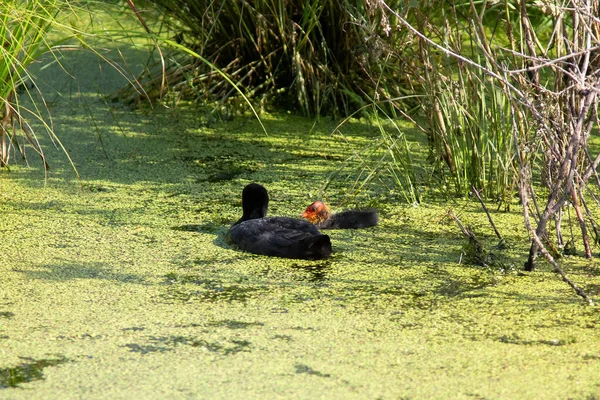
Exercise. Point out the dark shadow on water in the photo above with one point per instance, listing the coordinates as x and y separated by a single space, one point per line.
6 314
286 338
232 324
206 289
69 271
146 349
548 342
316 273
305 369
133 329
28 371
204 228
169 343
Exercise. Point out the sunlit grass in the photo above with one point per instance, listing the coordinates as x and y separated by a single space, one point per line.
316 58
29 31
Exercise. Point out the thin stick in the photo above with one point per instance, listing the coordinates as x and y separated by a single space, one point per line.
487 212
584 234
460 225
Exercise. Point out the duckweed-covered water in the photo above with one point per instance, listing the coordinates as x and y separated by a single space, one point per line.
121 286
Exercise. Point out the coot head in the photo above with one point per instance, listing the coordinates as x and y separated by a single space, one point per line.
317 212
255 201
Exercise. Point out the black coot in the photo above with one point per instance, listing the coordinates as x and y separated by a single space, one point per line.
275 236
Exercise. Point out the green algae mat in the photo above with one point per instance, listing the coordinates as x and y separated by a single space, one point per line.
120 286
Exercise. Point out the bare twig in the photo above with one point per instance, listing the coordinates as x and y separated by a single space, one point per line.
476 192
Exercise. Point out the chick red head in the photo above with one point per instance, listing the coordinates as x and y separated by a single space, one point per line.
317 212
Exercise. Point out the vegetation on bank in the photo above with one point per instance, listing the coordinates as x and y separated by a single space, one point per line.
34 32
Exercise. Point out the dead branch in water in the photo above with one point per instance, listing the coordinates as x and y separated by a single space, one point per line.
498 235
